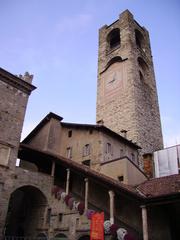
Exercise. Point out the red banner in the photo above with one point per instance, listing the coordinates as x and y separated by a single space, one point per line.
97 226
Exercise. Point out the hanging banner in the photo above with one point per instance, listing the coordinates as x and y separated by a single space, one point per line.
97 226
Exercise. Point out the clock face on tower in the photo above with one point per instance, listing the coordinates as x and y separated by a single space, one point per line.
113 79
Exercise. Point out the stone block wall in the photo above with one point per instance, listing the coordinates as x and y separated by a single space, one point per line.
128 99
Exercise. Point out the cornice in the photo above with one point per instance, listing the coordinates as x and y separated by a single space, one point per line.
16 82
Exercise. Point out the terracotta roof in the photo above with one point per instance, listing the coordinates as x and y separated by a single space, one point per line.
160 186
25 149
151 191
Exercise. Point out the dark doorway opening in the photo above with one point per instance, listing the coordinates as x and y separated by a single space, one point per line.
25 212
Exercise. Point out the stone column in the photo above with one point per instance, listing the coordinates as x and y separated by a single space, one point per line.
67 180
86 193
53 168
111 198
144 222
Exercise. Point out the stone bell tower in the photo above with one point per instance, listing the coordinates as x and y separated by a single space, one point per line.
126 89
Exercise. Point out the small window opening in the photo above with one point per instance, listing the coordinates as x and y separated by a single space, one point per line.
69 152
139 39
133 157
121 178
86 162
77 222
143 65
121 152
86 150
60 217
70 133
48 216
114 38
90 131
108 148
141 76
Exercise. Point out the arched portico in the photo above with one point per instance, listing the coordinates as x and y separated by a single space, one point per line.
25 211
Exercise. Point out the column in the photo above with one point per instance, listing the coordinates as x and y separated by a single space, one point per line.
67 180
86 193
53 169
144 222
111 198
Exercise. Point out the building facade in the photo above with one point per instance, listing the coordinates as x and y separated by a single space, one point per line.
126 89
69 171
95 146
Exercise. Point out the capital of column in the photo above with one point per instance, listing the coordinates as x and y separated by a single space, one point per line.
86 179
111 193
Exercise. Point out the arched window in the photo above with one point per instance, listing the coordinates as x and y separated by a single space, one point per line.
85 237
41 236
141 76
60 236
142 65
143 70
113 38
139 39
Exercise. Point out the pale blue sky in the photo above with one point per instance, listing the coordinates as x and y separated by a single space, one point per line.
57 41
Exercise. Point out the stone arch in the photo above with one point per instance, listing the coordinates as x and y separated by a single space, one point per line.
60 236
41 236
84 237
27 205
112 61
113 38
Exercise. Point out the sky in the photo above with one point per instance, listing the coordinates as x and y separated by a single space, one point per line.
57 42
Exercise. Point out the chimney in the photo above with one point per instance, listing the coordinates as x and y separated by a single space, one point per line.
148 166
124 133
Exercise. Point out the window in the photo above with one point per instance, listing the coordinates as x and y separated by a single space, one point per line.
90 131
48 216
86 162
141 76
86 150
70 133
139 39
69 152
113 38
4 154
121 152
133 157
108 148
60 217
121 178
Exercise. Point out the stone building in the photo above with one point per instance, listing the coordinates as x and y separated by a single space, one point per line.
68 171
126 90
93 145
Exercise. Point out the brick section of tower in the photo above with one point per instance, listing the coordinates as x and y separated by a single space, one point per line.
126 89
